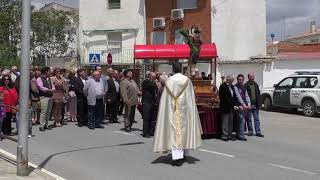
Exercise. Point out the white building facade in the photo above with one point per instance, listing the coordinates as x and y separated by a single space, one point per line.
239 31
239 28
110 26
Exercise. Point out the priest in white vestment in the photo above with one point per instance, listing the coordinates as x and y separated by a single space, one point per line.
178 126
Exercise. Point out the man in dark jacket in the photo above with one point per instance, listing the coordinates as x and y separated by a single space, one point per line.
78 84
149 89
228 104
112 96
255 99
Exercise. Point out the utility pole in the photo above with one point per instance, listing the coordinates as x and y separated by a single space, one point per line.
22 148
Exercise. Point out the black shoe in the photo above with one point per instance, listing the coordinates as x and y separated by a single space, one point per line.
41 129
91 127
134 121
260 135
80 125
242 138
127 129
100 127
146 135
233 139
250 134
48 127
178 162
223 138
104 122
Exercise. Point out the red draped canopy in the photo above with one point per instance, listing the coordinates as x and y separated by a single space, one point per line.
172 51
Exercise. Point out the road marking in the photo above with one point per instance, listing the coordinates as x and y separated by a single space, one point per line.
129 134
217 153
57 177
292 169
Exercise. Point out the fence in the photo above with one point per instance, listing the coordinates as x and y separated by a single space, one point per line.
119 56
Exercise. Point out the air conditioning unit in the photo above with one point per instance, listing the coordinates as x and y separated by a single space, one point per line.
159 23
177 14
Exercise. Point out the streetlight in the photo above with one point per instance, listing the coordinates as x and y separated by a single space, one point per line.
22 148
272 35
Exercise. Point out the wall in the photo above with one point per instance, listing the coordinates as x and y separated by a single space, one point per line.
95 15
239 28
161 8
235 69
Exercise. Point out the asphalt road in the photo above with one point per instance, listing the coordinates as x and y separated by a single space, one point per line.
289 151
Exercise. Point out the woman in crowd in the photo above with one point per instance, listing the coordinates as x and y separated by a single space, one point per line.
72 103
35 97
10 99
58 97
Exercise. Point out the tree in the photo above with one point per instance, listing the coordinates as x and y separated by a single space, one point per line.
52 33
10 28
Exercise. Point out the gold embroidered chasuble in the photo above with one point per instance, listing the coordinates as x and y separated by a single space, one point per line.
178 123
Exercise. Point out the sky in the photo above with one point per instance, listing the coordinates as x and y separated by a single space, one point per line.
284 17
291 17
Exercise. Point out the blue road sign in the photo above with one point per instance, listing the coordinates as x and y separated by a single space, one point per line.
94 58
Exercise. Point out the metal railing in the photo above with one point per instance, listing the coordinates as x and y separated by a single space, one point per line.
119 56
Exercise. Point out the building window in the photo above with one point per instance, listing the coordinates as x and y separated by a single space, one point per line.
114 40
179 39
314 41
114 4
187 4
158 37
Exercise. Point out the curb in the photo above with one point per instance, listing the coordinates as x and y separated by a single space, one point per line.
36 167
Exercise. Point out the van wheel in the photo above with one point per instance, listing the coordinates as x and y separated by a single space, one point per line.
308 108
267 104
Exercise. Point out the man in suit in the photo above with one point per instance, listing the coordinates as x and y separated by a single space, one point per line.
82 107
112 96
129 92
149 89
228 104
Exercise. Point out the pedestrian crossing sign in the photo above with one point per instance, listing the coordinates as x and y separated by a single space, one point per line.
94 58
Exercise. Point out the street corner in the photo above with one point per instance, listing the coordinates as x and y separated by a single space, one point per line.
8 170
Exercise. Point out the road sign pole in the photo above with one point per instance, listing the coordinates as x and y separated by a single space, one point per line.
22 148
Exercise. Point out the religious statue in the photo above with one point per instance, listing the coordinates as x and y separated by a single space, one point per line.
193 40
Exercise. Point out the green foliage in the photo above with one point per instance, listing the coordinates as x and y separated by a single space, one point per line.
8 62
10 19
52 32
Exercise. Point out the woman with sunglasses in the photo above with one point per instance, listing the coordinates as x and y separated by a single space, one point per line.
9 100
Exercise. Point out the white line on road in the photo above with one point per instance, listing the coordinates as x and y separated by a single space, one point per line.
129 134
292 169
57 177
217 153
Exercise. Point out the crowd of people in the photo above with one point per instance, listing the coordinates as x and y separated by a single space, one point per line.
94 99
239 106
89 98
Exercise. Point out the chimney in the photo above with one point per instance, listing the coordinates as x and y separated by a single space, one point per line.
313 27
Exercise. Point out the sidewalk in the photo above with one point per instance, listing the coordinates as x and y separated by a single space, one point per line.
8 170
